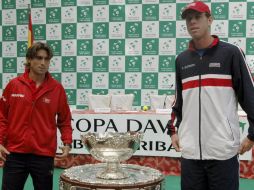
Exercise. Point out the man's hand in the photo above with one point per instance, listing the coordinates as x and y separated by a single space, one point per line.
65 150
246 145
3 152
175 142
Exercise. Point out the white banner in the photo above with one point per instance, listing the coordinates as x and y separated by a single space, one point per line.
155 142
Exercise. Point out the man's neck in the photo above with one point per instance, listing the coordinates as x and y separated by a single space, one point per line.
203 42
38 79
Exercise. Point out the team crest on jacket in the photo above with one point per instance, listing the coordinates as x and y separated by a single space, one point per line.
46 100
214 64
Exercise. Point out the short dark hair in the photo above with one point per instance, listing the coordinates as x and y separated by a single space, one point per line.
32 52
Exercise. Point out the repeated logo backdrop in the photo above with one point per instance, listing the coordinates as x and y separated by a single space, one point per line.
114 46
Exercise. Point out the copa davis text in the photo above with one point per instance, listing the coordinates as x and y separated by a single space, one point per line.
84 125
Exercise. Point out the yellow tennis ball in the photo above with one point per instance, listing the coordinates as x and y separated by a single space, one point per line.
145 108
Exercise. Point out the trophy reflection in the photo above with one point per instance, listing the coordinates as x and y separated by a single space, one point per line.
112 148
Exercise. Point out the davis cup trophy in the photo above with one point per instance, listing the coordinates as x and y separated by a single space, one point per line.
112 148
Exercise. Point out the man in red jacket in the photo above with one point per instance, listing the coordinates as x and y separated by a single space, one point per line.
32 107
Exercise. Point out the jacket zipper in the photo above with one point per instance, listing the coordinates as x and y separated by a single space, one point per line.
200 148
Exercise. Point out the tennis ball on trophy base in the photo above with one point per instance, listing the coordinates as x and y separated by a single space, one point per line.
145 108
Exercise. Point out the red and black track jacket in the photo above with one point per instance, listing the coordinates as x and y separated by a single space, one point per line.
208 89
28 122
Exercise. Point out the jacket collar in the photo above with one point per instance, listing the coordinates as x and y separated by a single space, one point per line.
214 43
49 81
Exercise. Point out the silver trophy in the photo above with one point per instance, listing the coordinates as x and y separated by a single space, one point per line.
112 148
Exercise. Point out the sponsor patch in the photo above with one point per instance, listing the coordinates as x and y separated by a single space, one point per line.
18 95
188 66
214 64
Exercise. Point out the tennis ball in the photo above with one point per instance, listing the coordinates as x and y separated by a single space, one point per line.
145 108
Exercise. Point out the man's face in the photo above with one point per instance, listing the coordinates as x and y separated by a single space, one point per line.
198 24
39 65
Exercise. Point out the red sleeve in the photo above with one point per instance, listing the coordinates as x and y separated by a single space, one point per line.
64 118
4 109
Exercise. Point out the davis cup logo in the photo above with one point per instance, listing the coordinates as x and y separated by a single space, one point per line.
250 62
100 30
83 29
167 27
69 31
38 16
100 45
100 78
54 30
71 96
9 33
220 10
150 62
100 13
133 12
9 66
82 98
133 47
167 81
83 79
69 14
9 17
116 61
116 28
117 10
53 13
166 45
22 47
55 45
166 11
132 79
69 64
69 47
116 45
9 49
85 12
150 12
84 45
116 13
83 63
116 79
21 33
166 62
69 80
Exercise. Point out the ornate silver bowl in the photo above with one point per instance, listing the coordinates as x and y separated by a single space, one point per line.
112 148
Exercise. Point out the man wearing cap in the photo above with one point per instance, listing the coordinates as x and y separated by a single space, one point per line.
211 78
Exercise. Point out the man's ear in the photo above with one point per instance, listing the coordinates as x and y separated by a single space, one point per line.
28 60
210 20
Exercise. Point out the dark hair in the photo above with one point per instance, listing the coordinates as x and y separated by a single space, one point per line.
32 51
207 15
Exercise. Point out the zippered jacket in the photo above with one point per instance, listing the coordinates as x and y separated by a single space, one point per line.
208 89
29 124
